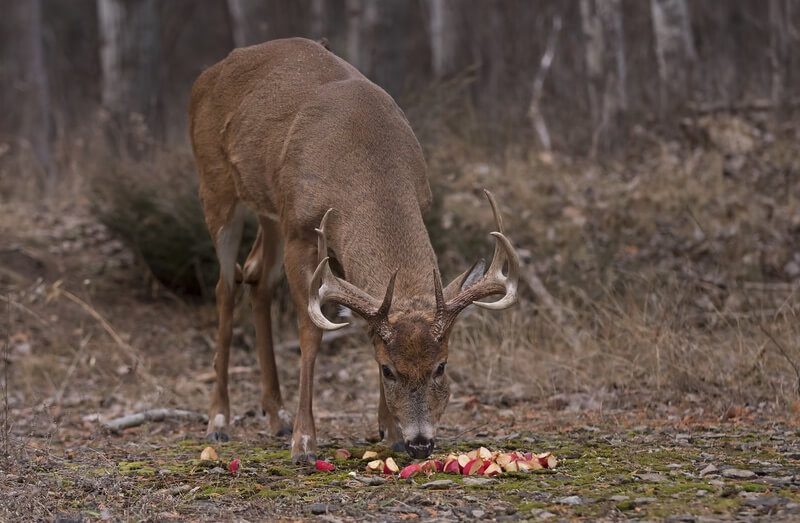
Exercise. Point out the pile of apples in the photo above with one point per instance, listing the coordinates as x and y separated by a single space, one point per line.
479 462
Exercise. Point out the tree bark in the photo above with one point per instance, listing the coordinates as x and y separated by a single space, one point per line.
248 23
129 59
26 100
443 37
675 51
318 19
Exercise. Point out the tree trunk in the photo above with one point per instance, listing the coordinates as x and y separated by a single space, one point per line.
780 59
248 24
129 59
318 19
601 22
675 51
443 37
26 100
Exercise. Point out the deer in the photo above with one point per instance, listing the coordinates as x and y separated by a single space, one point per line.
330 166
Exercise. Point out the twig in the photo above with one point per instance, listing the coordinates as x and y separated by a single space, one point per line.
556 310
25 309
134 420
6 360
534 114
784 353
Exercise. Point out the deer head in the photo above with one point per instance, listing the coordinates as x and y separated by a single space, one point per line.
411 342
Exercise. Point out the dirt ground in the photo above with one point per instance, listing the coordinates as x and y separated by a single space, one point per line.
86 342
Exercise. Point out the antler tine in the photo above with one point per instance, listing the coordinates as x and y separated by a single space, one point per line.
498 218
440 303
383 311
495 273
317 294
322 241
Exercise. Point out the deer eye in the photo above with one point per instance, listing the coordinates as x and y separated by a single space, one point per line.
440 369
387 372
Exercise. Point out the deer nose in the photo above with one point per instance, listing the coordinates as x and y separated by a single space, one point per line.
420 447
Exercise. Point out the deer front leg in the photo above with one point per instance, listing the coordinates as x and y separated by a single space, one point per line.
387 425
298 260
220 413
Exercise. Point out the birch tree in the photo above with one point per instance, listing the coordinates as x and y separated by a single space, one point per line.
675 51
129 61
443 36
26 99
248 25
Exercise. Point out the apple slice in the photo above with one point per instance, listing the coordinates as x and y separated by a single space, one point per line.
492 469
473 454
410 471
209 454
528 456
503 459
370 454
522 466
325 466
341 454
486 463
484 453
547 460
234 466
472 467
431 466
438 466
375 465
463 459
452 467
511 466
534 464
390 467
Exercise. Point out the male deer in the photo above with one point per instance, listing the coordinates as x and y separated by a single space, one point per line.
329 163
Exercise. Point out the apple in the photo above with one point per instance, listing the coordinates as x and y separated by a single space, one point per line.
492 469
439 466
324 465
375 466
522 466
473 454
528 456
547 460
534 464
341 454
431 466
370 454
484 453
511 467
463 459
390 467
234 466
209 454
472 467
410 471
486 463
503 459
452 467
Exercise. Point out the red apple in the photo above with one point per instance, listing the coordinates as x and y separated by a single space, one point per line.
472 467
452 467
324 465
410 471
234 466
341 454
375 465
390 467
463 459
370 454
484 453
492 469
473 454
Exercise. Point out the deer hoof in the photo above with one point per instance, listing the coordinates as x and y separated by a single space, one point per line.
302 459
217 436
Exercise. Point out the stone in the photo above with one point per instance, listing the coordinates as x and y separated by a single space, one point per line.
617 498
319 508
541 513
644 501
709 469
738 474
765 502
651 477
439 484
470 481
478 514
570 500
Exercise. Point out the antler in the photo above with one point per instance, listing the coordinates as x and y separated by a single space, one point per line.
325 287
492 282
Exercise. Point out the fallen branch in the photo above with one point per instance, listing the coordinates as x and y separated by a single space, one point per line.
134 420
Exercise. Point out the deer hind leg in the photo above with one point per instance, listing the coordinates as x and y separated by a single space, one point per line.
227 237
261 271
387 425
299 261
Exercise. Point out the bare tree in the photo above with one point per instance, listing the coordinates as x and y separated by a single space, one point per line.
26 101
248 23
675 50
318 19
129 60
443 36
601 22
